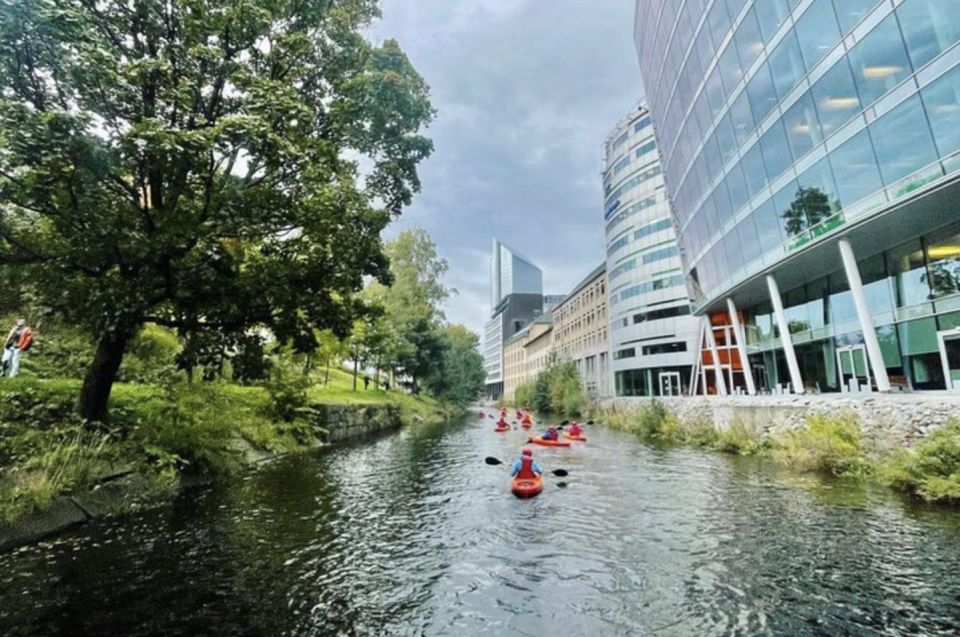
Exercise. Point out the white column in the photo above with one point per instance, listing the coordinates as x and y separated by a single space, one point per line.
717 369
863 314
785 339
741 346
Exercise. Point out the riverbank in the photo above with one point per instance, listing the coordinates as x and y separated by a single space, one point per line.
161 439
921 460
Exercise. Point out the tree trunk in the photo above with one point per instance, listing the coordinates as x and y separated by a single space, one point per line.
354 374
326 377
101 375
376 374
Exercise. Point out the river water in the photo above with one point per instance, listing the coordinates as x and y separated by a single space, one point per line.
412 534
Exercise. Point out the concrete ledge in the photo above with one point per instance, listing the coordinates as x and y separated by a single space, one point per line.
62 514
888 419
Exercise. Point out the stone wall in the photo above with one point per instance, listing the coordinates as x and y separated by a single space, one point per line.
345 422
889 419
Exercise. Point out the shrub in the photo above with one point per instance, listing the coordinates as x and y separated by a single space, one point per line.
739 439
931 470
151 356
828 444
287 388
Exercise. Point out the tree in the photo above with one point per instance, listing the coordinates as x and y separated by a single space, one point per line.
809 207
185 163
459 376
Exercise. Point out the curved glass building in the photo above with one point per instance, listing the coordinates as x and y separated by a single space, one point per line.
811 149
652 333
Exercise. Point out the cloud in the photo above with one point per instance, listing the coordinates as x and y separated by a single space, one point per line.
526 91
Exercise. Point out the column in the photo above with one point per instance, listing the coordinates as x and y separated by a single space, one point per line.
738 334
863 314
715 355
785 339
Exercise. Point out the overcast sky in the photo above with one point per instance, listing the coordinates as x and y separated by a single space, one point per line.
525 92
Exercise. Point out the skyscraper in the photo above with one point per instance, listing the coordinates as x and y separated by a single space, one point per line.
652 334
810 151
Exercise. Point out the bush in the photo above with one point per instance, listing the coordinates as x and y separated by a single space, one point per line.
287 388
828 444
523 394
931 470
151 356
739 439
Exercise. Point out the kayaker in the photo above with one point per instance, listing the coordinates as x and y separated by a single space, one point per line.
551 433
575 429
502 423
526 467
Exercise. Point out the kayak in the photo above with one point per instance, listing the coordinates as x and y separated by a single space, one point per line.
501 429
549 443
526 425
576 438
481 415
526 421
527 487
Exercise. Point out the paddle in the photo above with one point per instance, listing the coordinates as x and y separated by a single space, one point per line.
560 473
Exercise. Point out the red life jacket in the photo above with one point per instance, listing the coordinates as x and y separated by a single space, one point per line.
526 468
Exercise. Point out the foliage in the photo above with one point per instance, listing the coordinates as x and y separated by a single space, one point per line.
458 376
184 164
151 357
827 444
288 392
739 439
931 470
523 394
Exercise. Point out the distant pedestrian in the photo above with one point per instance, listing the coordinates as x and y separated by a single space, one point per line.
366 383
18 341
386 386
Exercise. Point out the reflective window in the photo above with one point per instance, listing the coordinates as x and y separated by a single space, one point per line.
718 21
767 222
770 15
730 69
943 264
749 241
786 64
929 27
776 150
850 12
817 193
741 117
902 141
737 187
836 97
855 169
749 40
715 94
789 207
879 61
725 139
803 127
762 95
817 31
754 170
905 264
942 101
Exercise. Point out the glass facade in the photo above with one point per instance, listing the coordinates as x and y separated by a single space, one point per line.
786 124
652 330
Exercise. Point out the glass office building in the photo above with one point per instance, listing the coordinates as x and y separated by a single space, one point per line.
652 333
811 149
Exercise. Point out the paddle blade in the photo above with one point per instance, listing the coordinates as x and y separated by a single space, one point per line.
561 473
492 461
589 422
561 485
565 422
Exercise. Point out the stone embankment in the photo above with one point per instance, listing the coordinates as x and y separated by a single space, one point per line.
887 419
124 490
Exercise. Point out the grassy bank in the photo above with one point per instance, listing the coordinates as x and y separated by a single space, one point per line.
831 445
161 431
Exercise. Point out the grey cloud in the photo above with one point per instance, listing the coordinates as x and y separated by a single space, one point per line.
525 90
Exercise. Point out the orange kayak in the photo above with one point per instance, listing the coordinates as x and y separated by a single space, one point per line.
527 487
500 429
576 438
549 443
526 425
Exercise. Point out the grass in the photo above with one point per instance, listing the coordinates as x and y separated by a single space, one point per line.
931 470
159 430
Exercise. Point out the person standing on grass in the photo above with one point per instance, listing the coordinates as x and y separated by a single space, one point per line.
18 341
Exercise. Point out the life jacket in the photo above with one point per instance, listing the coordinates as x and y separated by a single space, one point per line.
502 423
526 468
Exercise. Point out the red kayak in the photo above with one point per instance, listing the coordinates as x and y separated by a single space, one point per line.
500 429
580 438
526 425
527 487
549 443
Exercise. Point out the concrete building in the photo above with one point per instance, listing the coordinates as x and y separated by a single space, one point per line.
516 296
527 353
812 153
653 336
581 333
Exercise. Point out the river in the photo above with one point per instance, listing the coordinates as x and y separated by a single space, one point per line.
412 534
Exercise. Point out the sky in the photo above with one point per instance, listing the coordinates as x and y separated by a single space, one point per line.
525 92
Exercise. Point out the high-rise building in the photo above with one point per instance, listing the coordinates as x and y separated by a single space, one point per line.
811 149
653 337
516 296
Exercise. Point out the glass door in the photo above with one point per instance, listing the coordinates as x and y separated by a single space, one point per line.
669 383
853 368
950 356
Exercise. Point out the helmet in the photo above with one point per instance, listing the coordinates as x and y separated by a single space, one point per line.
526 452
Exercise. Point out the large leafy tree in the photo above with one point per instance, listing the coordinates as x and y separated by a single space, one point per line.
194 163
459 375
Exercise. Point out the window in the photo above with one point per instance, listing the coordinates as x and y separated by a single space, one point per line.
942 102
786 64
616 245
818 192
750 246
731 72
789 210
624 353
770 15
718 22
664 348
656 315
803 127
748 39
640 125
754 170
929 27
879 61
646 148
817 31
776 150
620 141
850 12
762 95
659 255
620 165
902 141
836 97
653 228
737 187
855 168
741 117
943 264
623 268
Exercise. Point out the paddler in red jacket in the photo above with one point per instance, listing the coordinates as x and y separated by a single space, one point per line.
525 468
